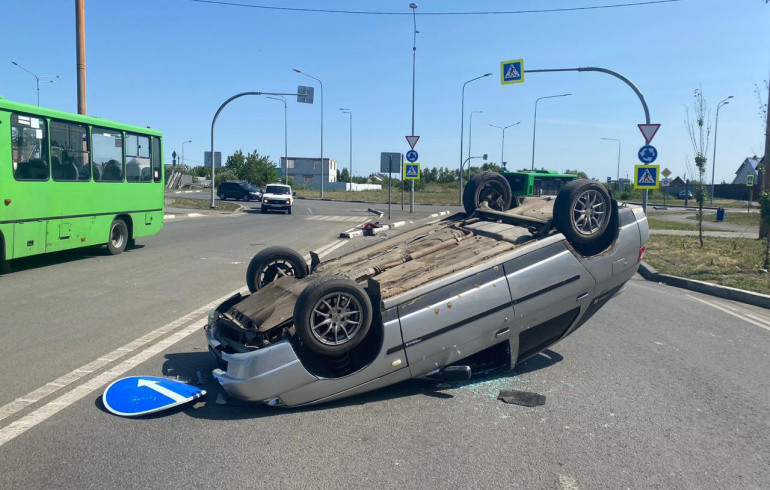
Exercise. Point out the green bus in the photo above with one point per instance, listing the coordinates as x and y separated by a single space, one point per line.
536 182
69 181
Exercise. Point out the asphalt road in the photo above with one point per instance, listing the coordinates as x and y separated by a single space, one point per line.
662 388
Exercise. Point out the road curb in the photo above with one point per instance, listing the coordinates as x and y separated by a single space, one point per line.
757 299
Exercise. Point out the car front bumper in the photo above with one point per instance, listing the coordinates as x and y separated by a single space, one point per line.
260 375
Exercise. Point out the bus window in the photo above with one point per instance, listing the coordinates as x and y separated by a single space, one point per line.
70 158
108 155
156 159
138 158
29 147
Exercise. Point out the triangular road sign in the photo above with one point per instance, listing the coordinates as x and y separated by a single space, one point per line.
648 131
512 72
647 177
412 140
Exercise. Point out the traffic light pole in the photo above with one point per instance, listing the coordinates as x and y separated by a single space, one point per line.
623 79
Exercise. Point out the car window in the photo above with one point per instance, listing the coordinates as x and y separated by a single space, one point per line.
277 189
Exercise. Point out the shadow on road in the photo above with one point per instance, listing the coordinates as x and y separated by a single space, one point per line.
63 257
195 368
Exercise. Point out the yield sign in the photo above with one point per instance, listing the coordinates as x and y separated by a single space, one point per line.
412 140
648 131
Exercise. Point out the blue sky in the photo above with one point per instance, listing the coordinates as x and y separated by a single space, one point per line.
170 63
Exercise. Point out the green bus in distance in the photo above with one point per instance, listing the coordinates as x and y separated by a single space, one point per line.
69 181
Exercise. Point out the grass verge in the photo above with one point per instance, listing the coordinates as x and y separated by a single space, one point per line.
733 262
204 204
659 224
733 216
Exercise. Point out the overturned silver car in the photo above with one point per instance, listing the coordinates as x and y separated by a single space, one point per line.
441 301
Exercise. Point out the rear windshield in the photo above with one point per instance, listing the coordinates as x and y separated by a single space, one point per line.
277 189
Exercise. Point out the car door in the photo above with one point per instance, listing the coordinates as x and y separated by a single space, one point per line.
455 321
549 287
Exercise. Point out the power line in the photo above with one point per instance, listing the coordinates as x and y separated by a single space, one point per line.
491 12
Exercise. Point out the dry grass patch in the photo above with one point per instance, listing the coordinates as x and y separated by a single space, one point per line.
734 262
187 203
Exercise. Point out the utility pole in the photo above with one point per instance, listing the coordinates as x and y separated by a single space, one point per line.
502 145
285 138
764 232
321 84
462 126
350 162
50 79
80 45
412 6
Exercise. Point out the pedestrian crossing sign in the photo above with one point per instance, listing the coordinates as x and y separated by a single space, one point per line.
647 177
412 171
512 72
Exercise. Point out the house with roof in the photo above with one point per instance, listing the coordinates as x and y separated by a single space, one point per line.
748 167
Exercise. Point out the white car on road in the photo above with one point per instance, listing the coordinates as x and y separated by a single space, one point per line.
277 196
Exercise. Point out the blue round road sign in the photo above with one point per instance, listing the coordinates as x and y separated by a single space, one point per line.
411 156
141 395
647 154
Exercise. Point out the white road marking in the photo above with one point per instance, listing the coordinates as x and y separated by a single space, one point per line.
309 210
766 322
99 363
193 321
736 315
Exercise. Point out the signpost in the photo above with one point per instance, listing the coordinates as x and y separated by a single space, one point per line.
750 184
389 162
512 72
412 140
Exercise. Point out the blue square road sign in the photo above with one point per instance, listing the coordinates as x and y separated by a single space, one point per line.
512 71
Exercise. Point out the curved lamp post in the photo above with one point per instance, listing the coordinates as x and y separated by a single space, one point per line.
534 125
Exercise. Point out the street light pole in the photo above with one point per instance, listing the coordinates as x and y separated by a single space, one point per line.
184 143
534 125
51 79
213 125
502 145
350 162
322 126
714 160
285 138
470 136
462 126
412 6
617 178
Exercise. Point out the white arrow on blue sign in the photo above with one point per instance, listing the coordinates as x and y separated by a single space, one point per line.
411 156
648 154
142 395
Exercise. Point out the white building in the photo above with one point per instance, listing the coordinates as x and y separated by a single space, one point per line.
307 171
748 167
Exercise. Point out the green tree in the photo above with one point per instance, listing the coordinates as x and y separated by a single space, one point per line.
698 128
343 175
253 168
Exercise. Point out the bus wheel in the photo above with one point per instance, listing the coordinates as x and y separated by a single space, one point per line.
118 237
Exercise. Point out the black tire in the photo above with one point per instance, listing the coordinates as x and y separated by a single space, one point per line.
264 210
118 238
582 211
274 262
221 196
289 211
332 315
487 186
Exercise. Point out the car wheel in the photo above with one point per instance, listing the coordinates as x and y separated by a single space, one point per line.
221 196
333 315
582 211
289 211
490 187
263 209
272 263
118 238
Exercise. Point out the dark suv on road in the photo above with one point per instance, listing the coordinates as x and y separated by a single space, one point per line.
242 191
